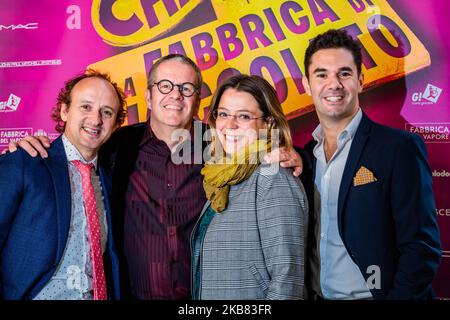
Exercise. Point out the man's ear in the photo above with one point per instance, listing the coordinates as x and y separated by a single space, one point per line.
361 82
148 99
306 85
64 111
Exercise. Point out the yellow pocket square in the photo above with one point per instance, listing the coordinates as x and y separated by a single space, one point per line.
363 176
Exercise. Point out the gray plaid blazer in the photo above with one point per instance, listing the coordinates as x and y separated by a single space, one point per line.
255 249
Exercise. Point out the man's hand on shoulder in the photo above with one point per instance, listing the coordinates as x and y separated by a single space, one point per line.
288 158
33 145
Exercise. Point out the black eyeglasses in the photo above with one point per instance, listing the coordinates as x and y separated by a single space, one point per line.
186 89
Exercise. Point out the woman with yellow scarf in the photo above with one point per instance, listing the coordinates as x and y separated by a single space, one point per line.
249 242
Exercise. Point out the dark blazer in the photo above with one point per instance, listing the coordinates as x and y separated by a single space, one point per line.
390 223
35 214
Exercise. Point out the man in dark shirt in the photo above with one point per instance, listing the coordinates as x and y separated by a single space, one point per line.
157 201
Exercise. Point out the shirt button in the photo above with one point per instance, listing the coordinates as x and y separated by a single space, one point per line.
169 186
322 235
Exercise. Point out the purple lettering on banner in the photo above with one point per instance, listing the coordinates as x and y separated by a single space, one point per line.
403 47
359 5
294 69
202 51
171 7
225 74
150 13
257 33
231 40
276 28
320 15
150 58
367 60
183 2
114 25
177 47
275 72
205 91
303 22
133 114
129 90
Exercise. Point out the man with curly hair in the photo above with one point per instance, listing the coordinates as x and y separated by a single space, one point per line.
55 234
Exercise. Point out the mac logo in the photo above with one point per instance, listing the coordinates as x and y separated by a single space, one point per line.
28 26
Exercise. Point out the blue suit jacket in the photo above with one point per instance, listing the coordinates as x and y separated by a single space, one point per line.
390 223
35 214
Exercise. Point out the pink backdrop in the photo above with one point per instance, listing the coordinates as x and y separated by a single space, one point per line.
40 49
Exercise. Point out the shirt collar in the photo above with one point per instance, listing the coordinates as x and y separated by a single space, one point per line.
72 153
149 134
354 124
318 133
348 133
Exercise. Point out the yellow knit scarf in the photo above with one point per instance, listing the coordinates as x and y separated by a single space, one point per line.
223 172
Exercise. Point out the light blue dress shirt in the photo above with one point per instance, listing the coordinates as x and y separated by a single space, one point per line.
73 277
340 277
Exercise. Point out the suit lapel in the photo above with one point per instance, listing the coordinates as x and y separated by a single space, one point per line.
57 165
121 169
351 166
112 276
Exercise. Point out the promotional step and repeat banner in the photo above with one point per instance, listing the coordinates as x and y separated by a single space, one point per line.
405 58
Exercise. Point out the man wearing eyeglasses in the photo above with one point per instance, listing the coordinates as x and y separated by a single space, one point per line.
155 201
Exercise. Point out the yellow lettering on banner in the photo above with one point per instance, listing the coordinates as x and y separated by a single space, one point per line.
132 22
269 38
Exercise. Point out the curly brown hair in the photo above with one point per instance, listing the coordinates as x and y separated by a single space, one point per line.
65 97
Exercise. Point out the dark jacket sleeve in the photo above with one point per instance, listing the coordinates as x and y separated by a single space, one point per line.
414 215
11 188
11 185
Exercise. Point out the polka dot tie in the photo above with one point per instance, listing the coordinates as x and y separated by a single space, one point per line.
94 229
